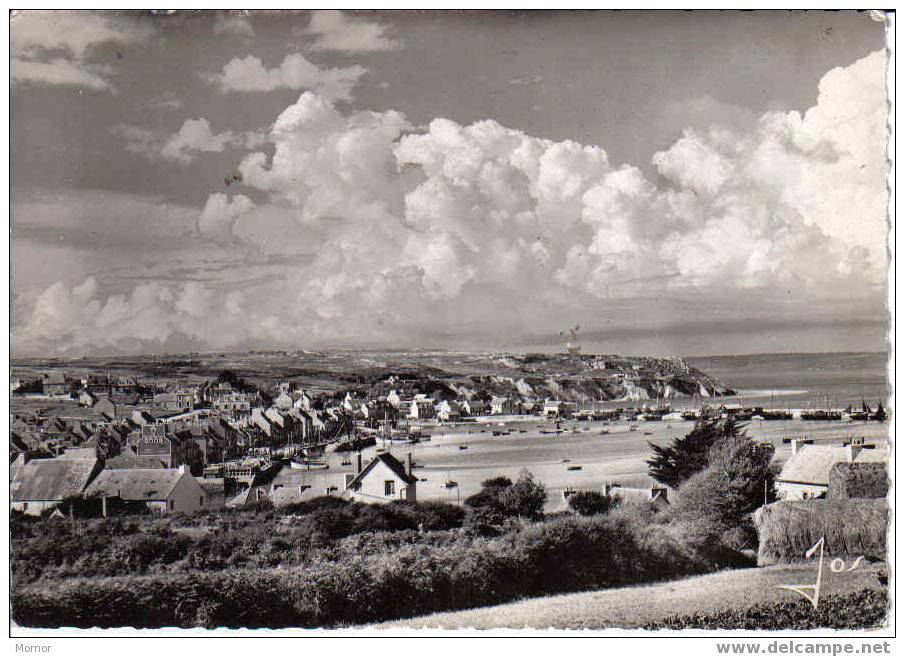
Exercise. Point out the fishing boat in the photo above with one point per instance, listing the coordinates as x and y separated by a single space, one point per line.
573 467
463 446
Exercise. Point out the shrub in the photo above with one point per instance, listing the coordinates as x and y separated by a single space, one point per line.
524 499
737 480
373 577
590 503
864 609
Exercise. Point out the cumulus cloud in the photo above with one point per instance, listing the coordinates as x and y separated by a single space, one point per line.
454 228
294 72
219 215
53 47
193 137
335 31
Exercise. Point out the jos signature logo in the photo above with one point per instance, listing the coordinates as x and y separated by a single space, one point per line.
812 591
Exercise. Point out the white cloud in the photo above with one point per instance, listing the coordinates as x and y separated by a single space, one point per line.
336 31
220 214
233 24
53 47
294 72
63 72
194 137
166 101
401 234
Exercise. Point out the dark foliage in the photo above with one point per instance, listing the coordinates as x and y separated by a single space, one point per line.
684 456
376 576
719 500
590 503
864 609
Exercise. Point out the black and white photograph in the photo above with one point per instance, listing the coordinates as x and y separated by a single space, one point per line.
459 322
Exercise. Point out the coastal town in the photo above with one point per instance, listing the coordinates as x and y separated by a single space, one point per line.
142 444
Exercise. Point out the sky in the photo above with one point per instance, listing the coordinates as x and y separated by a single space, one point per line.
682 183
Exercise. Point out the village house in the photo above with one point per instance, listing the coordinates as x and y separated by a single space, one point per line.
283 401
474 407
384 479
41 484
394 399
449 411
170 401
555 408
103 405
806 475
86 399
655 495
162 491
54 384
422 408
234 404
503 406
303 402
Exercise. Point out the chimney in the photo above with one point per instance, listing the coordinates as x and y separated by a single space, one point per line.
358 463
851 451
408 464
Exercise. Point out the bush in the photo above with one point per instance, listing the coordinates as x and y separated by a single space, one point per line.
523 499
590 503
719 499
373 577
864 609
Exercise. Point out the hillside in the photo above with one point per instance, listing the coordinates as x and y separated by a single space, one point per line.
438 374
636 606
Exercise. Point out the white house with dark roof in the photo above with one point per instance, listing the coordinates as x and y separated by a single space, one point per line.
806 475
163 491
384 479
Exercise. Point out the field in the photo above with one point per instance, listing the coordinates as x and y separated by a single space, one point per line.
636 606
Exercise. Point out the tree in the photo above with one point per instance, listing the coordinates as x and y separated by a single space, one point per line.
738 479
525 498
500 498
674 464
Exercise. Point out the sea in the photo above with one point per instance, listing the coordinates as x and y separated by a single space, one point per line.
817 380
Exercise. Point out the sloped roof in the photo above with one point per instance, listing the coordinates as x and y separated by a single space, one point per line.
812 463
391 462
136 484
130 461
50 479
294 495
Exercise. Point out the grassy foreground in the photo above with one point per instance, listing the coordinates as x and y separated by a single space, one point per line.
636 606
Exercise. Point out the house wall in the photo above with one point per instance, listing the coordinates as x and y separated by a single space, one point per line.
186 497
372 487
33 507
794 491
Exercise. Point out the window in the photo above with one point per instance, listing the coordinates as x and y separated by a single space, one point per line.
389 487
171 505
201 501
